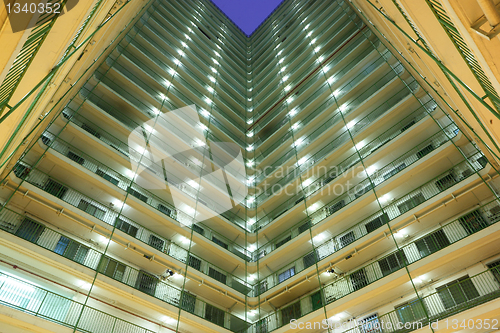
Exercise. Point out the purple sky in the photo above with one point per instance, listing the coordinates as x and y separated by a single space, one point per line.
247 14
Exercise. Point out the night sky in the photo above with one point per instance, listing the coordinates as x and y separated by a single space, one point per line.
247 14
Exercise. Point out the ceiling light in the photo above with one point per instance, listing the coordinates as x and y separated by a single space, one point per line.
250 148
296 125
351 124
205 113
250 134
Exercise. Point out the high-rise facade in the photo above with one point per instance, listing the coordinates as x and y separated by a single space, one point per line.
357 194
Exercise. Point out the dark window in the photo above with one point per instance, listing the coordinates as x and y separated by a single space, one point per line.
411 312
394 171
261 287
198 229
203 32
405 127
138 195
424 151
188 302
91 209
219 242
126 227
495 269
156 242
76 252
214 315
113 269
194 262
432 243
411 203
91 130
362 191
54 188
473 222
217 275
107 177
289 313
165 210
283 241
336 206
30 230
21 171
286 274
446 182
376 223
146 283
74 157
310 259
483 161
392 262
45 140
358 279
317 300
305 227
457 292
347 239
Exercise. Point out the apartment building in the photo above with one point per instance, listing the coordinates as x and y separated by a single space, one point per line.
202 180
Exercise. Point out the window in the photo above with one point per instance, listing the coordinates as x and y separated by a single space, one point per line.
113 269
156 242
55 188
473 222
261 326
283 241
289 313
91 209
371 324
335 207
305 227
286 274
76 158
194 262
424 151
457 292
358 279
495 269
146 283
446 182
126 227
392 262
198 229
376 223
107 177
317 300
21 171
347 239
214 314
30 230
411 203
188 302
92 131
75 251
217 275
411 312
219 242
165 210
310 259
432 243
138 195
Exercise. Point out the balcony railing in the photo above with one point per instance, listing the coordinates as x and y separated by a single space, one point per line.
110 216
447 301
372 223
423 247
39 302
308 162
390 170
